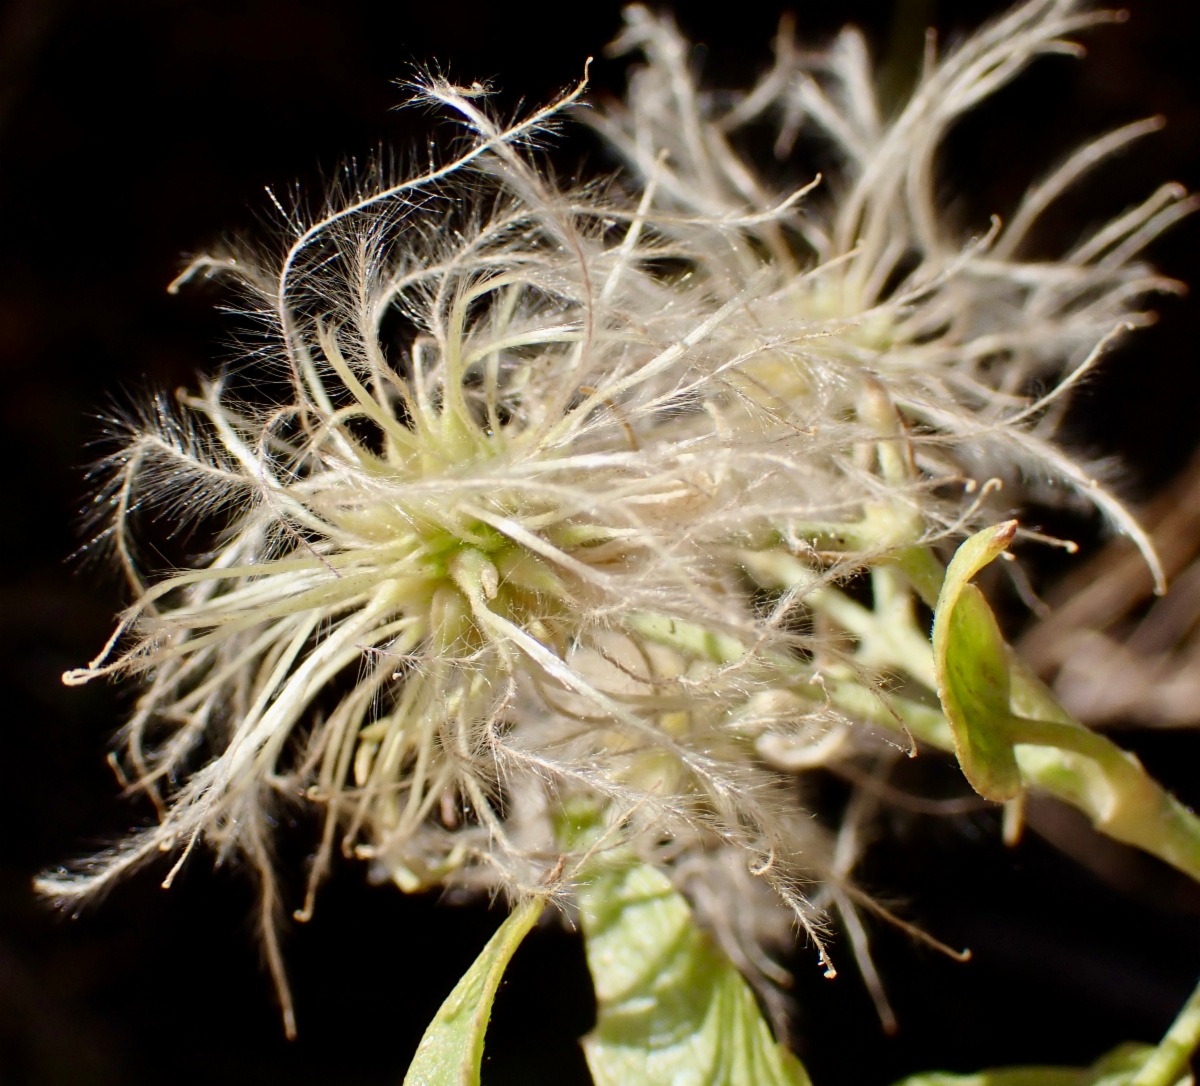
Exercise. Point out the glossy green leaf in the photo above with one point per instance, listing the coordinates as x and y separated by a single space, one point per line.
451 1052
671 1008
972 668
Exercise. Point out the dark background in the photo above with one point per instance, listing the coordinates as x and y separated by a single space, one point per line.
132 132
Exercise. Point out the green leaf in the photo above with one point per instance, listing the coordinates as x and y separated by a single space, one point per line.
671 1008
972 669
1009 731
1117 1068
451 1051
1130 1064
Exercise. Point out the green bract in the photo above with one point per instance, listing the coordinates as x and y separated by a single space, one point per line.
971 665
451 1052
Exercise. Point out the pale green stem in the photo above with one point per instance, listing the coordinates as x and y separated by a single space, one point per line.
1169 1062
1054 753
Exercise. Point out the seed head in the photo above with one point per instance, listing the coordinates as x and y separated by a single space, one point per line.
569 540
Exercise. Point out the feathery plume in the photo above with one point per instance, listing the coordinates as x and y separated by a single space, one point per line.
577 536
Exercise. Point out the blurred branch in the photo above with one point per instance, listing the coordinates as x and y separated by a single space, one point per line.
1112 660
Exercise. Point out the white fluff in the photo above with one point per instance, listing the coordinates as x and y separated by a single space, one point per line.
580 544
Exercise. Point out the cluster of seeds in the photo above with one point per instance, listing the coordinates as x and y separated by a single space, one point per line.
559 501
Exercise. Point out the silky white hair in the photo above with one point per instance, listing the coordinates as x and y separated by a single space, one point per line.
525 563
